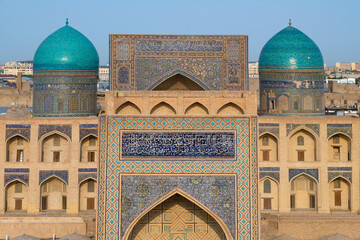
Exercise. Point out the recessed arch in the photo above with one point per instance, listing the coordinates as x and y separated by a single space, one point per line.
16 180
53 194
163 108
268 146
339 194
303 192
304 150
305 174
271 134
339 147
178 192
195 84
128 108
54 147
230 108
269 193
87 194
89 148
196 109
17 135
16 196
17 148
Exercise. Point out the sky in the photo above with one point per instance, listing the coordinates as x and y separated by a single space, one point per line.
332 24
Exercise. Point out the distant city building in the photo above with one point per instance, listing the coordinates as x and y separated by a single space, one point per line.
355 66
104 73
253 69
343 66
24 67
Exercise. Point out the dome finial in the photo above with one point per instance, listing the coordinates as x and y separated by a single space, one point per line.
67 21
290 22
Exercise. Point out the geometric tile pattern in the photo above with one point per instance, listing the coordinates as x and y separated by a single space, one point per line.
269 128
111 167
291 126
339 128
65 129
140 62
18 129
46 174
177 218
84 176
334 172
272 172
312 172
88 129
217 193
21 174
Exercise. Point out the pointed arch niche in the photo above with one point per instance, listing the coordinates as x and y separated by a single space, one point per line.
89 146
163 108
339 194
128 108
55 147
87 195
53 194
230 109
302 146
268 144
17 149
339 148
196 109
269 191
16 196
178 82
177 216
303 195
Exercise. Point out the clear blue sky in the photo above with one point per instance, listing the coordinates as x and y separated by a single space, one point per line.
332 24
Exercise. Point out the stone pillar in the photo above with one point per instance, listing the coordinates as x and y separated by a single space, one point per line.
34 166
73 188
355 159
323 159
283 157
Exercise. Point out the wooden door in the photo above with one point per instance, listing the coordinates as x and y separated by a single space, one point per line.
267 203
90 203
337 198
18 204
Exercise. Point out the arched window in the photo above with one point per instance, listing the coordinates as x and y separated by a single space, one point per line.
265 141
267 186
300 141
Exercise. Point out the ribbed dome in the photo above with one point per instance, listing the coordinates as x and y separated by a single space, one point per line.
290 49
66 49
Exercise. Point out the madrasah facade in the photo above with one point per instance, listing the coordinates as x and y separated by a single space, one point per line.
180 150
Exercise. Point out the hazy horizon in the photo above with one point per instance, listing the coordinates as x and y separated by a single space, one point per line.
331 24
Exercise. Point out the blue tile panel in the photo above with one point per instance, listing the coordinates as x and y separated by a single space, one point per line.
339 168
141 62
339 128
217 193
17 170
334 175
84 132
156 45
295 172
9 177
306 84
273 175
65 129
82 170
18 129
178 144
272 169
88 126
269 129
268 125
45 174
84 176
21 174
291 126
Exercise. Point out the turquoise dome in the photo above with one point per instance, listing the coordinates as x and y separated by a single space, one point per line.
290 49
66 49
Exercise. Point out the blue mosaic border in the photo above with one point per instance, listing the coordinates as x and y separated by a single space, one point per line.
17 170
18 129
45 174
84 176
81 170
11 177
312 172
339 168
270 169
339 128
65 129
291 126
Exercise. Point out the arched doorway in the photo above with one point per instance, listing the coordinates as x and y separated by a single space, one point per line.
339 194
268 148
17 149
87 195
53 195
16 196
269 191
303 193
89 146
177 218
178 82
339 148
55 148
302 146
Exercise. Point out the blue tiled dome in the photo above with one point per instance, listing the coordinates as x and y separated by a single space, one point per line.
66 49
290 48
